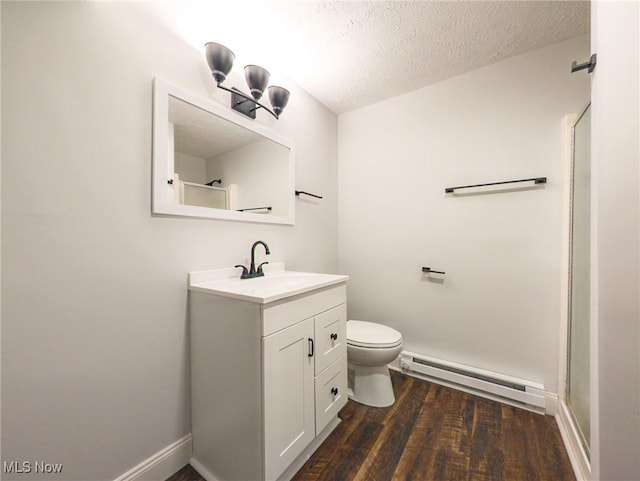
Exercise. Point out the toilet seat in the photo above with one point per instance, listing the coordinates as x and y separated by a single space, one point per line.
372 335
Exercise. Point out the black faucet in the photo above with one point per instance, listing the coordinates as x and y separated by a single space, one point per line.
253 272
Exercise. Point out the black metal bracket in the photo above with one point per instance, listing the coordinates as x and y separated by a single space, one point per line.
298 192
537 180
429 270
245 104
590 65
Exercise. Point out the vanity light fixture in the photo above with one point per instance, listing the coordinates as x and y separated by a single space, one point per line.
220 60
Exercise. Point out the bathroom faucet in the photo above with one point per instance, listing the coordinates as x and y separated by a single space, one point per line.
252 268
253 272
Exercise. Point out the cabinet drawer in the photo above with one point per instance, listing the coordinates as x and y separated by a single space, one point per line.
282 314
331 392
330 336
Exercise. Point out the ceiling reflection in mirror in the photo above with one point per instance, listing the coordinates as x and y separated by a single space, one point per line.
217 167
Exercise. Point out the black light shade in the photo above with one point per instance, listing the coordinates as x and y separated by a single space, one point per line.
220 60
257 79
278 96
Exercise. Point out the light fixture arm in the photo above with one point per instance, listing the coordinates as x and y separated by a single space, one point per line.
247 98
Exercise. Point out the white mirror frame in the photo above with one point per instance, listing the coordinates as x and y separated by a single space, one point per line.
160 201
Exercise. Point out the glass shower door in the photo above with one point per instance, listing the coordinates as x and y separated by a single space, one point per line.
578 355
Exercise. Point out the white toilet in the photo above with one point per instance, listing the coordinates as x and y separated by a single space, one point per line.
370 347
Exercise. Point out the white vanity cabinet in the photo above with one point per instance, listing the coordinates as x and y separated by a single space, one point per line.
267 380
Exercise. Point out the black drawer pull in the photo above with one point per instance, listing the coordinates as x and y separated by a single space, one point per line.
334 336
311 349
334 391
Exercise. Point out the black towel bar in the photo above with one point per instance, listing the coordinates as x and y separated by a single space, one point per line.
298 192
537 180
255 208
429 270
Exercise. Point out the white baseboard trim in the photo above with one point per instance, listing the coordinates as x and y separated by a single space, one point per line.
204 472
162 464
552 403
571 439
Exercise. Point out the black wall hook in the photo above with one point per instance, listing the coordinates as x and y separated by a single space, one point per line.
590 65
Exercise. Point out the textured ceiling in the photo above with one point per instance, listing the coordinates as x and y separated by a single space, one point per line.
199 133
349 54
377 50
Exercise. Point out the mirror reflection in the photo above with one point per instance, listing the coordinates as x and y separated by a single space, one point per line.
211 162
221 165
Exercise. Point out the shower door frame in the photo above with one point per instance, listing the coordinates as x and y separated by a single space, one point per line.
569 430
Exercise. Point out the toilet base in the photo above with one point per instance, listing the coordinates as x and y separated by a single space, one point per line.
371 385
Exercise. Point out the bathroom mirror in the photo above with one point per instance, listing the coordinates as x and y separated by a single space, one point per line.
211 162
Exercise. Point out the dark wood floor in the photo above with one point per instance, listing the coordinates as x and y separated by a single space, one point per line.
434 433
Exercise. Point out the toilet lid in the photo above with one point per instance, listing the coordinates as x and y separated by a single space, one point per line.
371 334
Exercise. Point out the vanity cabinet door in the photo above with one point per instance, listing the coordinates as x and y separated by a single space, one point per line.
331 336
289 412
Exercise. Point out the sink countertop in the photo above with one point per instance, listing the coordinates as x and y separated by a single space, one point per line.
275 285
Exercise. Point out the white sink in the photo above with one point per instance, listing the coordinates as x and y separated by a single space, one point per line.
276 284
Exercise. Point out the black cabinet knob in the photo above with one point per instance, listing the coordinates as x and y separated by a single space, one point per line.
334 391
334 336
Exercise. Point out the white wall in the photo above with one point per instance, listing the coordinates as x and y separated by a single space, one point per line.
94 318
259 170
190 168
615 403
499 305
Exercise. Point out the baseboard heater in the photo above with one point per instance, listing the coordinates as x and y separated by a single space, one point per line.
511 390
